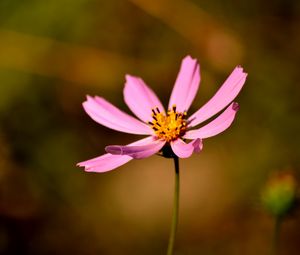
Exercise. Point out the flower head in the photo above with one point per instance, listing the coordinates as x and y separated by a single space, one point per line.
164 129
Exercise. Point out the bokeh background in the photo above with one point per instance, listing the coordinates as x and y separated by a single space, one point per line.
53 53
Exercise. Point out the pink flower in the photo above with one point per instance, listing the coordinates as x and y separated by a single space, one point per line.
167 131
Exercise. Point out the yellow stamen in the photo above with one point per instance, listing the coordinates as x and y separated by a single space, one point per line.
168 127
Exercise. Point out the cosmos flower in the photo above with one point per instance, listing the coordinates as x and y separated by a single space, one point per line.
167 131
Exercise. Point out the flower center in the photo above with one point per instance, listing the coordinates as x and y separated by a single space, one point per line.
168 127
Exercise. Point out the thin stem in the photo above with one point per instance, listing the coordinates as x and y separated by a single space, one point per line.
275 241
175 209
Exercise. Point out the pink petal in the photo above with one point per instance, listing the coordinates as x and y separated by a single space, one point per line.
110 116
140 98
108 161
218 125
104 163
185 150
146 148
222 98
186 85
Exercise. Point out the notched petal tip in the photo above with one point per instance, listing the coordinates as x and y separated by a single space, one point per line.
86 168
87 100
189 57
241 69
83 164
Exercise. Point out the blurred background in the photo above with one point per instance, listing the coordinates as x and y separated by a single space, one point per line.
53 53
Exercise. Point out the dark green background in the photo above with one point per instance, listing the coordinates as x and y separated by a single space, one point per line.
53 53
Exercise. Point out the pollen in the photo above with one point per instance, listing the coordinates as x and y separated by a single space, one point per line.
170 126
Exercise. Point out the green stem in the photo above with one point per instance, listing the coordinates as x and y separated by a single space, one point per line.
175 209
275 241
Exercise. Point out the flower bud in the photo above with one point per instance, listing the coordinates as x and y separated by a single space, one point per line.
279 194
